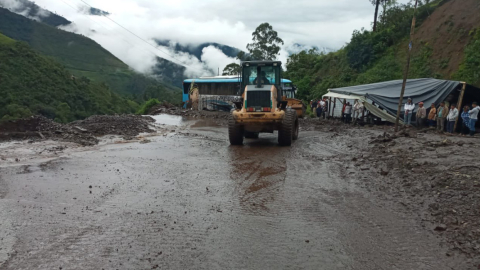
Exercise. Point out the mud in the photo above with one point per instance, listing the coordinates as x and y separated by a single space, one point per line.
84 132
341 197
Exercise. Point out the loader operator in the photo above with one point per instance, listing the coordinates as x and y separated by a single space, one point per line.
263 78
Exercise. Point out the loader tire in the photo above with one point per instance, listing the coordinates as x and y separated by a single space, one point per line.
251 135
295 130
235 132
285 132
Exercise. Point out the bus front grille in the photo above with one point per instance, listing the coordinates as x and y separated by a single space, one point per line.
259 99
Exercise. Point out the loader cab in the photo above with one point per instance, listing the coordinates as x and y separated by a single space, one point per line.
289 90
261 86
261 74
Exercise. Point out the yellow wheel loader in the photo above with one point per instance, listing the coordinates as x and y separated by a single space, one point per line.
289 92
262 108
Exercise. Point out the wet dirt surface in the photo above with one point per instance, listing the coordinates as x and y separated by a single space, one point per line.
189 200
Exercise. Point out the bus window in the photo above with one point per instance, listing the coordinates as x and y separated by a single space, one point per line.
289 94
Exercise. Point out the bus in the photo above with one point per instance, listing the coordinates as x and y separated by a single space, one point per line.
219 93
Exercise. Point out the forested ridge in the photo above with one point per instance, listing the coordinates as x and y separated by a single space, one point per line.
35 84
65 76
375 56
80 55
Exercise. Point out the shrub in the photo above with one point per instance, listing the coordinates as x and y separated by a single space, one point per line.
145 108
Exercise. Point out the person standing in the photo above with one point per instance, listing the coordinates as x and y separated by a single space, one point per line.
465 121
319 109
451 118
421 115
442 112
343 109
409 107
431 115
322 107
325 108
348 112
356 107
473 117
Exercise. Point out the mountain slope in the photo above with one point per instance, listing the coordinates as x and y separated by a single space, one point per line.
34 84
446 46
80 55
447 32
31 10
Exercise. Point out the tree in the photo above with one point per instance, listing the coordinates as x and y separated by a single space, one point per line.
231 69
377 4
265 45
242 56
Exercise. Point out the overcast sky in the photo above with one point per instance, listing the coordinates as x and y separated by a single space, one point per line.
322 23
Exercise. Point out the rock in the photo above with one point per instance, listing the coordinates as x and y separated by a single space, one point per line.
440 227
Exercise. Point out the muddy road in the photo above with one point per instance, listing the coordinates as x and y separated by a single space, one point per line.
186 199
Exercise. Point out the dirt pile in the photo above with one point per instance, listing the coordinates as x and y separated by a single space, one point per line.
220 117
83 132
39 128
126 125
435 176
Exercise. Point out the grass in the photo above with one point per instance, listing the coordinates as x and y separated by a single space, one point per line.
5 40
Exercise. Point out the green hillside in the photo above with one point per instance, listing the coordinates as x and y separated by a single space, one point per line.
381 56
5 40
80 55
34 84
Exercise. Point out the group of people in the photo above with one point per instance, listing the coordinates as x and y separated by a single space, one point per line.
319 107
441 115
348 110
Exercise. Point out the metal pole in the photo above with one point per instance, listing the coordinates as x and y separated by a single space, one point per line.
329 106
405 73
334 105
459 104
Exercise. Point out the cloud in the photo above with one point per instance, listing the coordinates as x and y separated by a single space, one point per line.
25 8
215 59
323 24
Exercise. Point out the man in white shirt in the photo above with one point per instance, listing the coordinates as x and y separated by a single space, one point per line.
357 110
473 118
451 118
409 107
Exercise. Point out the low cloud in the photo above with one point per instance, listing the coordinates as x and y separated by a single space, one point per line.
324 24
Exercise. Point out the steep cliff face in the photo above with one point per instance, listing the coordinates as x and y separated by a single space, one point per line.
448 31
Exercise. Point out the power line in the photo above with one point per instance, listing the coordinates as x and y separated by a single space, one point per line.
102 25
78 10
173 57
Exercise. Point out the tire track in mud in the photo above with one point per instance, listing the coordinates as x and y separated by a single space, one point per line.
257 173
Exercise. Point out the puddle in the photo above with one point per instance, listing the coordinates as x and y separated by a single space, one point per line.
166 119
175 120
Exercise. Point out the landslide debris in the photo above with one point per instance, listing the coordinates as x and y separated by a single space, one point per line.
83 132
434 176
126 125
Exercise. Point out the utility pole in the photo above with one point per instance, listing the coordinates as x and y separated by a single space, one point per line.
405 73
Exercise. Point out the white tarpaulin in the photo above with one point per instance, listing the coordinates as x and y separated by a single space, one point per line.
372 108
